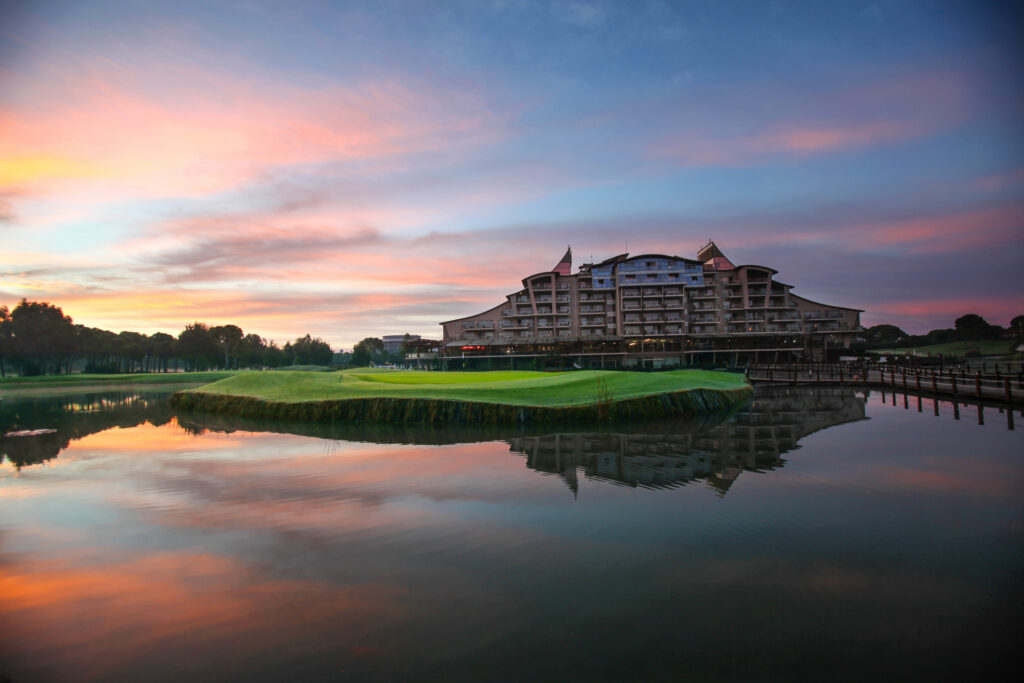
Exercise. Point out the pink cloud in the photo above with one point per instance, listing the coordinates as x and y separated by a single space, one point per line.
997 309
754 128
785 140
106 128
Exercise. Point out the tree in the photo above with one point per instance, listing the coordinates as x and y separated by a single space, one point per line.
366 350
5 338
250 350
163 348
227 338
402 350
972 326
42 337
1017 326
311 351
197 346
273 356
884 335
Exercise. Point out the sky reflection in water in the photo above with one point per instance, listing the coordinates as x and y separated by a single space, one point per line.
822 533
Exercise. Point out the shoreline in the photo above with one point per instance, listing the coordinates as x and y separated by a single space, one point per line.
416 410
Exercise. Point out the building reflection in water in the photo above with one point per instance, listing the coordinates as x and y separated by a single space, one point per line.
667 455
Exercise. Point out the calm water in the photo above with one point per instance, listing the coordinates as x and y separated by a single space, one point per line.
822 534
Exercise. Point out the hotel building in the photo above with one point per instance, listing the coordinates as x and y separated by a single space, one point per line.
650 311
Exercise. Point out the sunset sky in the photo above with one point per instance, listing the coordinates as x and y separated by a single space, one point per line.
370 168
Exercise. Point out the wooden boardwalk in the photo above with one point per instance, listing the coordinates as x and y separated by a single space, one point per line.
952 382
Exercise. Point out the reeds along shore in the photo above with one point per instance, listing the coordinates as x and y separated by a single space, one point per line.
401 410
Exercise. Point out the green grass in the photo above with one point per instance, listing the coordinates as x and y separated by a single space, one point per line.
541 389
993 347
94 379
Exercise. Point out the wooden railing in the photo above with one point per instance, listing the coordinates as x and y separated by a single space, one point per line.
953 380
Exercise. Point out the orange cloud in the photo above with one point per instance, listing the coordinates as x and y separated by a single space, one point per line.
114 134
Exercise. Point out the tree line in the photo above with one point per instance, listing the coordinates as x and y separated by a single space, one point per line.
970 327
37 338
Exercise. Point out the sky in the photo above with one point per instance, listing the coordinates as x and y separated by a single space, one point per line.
368 168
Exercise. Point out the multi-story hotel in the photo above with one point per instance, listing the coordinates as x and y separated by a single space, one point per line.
651 310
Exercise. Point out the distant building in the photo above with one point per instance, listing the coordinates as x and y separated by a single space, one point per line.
651 311
393 342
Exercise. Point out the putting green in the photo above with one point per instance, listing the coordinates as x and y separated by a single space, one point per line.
516 388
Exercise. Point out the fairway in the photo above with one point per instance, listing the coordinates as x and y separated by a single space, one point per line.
517 388
986 347
90 379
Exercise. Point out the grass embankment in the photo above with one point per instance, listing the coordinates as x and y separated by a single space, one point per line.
135 378
992 347
468 397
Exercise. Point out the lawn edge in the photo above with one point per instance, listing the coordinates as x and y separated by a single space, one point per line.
415 410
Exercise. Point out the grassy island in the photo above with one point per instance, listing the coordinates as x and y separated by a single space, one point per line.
369 395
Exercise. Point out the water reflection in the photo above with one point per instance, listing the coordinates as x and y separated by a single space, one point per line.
666 455
73 417
880 543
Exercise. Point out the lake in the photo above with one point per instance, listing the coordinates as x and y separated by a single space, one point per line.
822 533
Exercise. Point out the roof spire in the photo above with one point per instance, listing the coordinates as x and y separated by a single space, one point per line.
564 266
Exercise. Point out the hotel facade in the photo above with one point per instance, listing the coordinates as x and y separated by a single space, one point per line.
650 311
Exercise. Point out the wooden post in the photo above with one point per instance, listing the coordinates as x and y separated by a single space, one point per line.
952 379
977 384
917 378
904 379
1009 395
935 389
817 371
